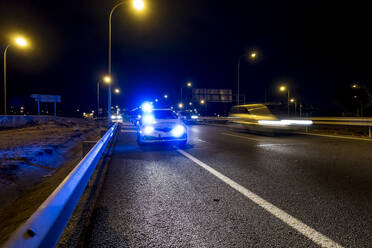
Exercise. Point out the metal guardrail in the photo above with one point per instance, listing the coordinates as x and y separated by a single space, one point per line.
46 225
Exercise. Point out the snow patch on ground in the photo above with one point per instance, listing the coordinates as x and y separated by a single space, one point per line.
28 155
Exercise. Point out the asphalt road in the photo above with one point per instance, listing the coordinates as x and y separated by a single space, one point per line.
233 189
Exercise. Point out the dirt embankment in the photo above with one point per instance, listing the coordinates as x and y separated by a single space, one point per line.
33 161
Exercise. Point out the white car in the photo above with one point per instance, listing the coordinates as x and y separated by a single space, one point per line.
161 125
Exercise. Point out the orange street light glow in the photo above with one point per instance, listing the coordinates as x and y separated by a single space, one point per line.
107 79
21 42
138 4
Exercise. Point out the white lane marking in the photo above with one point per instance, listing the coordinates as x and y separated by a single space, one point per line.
310 233
240 136
336 136
269 145
128 131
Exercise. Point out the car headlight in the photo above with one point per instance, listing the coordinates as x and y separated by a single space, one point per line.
113 117
178 131
194 117
148 119
148 130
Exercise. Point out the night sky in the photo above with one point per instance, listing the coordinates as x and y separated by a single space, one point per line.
317 48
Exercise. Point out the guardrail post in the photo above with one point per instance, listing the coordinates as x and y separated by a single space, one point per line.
307 129
369 132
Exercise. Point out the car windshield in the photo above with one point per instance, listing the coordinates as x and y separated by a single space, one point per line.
186 114
165 114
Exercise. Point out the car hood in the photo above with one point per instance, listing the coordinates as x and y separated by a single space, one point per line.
167 122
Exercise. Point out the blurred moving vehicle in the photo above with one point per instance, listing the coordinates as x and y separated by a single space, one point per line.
135 115
260 118
117 118
161 125
188 118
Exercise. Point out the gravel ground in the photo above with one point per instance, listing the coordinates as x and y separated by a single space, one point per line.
33 160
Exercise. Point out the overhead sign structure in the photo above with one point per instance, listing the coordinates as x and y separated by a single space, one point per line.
212 95
46 98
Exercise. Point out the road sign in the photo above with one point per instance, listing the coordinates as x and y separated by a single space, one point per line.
46 98
212 95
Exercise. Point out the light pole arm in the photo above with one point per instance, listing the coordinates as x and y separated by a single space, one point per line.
109 60
5 51
110 20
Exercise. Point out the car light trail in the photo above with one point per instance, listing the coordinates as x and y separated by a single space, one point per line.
285 122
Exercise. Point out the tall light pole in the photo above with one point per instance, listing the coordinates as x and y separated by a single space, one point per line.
252 56
138 5
20 42
188 84
98 99
283 89
295 104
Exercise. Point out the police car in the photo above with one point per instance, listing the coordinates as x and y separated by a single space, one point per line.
160 126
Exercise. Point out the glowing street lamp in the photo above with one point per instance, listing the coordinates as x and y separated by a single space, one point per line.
18 42
117 91
21 42
202 101
189 85
139 5
295 104
165 96
180 105
283 89
252 56
107 79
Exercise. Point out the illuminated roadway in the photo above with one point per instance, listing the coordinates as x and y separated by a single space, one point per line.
233 189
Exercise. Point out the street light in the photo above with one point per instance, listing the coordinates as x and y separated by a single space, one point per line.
165 96
117 91
107 79
295 104
19 42
202 102
139 5
252 56
189 85
180 105
283 89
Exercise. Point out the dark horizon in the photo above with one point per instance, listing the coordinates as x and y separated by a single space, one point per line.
317 49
